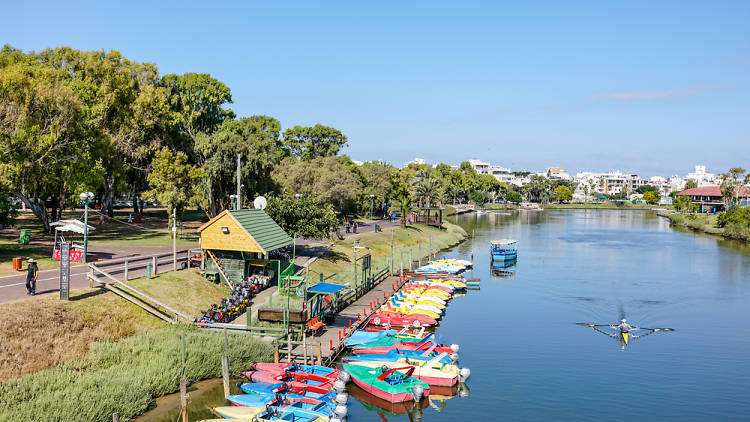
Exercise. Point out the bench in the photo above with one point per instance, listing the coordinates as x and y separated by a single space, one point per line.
314 325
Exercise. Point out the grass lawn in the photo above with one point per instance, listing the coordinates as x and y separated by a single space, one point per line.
702 222
10 249
184 290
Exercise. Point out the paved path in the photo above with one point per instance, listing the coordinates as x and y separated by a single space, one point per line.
13 287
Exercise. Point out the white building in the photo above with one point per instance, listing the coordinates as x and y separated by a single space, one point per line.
481 167
557 173
417 161
702 177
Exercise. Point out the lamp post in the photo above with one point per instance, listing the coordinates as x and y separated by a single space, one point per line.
372 199
356 246
86 197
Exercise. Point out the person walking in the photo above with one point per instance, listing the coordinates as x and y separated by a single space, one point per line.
31 272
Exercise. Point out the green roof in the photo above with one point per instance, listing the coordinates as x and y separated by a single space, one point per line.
262 228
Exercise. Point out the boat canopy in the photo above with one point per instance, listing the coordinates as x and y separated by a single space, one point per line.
502 242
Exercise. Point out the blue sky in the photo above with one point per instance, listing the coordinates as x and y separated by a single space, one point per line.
652 87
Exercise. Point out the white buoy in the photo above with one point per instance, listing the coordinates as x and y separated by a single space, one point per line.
334 419
344 376
454 357
454 347
339 386
340 411
464 374
417 392
341 398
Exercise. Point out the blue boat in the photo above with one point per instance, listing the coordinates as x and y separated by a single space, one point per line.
396 354
262 388
504 250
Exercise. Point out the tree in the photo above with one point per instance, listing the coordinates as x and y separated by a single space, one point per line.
380 180
536 186
680 202
307 143
690 184
256 139
646 188
426 188
514 197
563 193
303 216
176 183
405 206
651 197
330 179
42 134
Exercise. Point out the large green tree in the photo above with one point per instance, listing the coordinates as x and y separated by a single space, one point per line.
256 140
176 184
303 216
317 141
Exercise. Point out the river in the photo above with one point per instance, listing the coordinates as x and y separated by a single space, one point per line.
531 362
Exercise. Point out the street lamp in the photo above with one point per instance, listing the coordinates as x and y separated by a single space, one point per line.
356 246
86 197
372 199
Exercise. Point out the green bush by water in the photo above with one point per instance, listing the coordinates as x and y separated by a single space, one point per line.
125 376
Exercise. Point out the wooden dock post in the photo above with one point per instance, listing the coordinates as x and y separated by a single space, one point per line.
289 345
154 264
276 353
125 277
304 346
411 258
183 398
115 417
419 254
320 354
225 364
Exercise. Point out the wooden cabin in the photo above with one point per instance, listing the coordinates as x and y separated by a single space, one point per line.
238 244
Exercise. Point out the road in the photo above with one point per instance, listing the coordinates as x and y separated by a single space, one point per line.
13 287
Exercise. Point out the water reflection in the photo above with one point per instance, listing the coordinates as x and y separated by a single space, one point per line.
503 269
438 400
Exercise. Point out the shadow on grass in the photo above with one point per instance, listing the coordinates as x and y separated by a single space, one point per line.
335 257
87 295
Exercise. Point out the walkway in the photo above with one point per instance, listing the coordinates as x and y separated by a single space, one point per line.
330 342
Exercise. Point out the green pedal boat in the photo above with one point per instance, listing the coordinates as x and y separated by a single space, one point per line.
388 383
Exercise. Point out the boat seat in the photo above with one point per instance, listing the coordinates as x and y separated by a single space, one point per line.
314 325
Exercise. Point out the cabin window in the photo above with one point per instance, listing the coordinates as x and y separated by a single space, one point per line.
225 230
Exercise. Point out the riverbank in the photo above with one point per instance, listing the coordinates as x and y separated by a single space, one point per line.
707 223
599 206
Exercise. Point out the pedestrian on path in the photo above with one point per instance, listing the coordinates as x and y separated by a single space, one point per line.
31 277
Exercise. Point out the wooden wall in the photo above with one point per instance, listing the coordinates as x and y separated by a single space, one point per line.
236 240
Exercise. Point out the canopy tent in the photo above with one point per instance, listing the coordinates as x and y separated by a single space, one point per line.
325 288
72 226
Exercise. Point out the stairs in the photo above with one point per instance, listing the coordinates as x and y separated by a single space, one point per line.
220 267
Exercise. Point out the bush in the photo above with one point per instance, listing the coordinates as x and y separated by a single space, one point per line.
736 215
125 376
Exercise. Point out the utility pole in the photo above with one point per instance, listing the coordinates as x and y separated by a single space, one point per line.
174 239
239 194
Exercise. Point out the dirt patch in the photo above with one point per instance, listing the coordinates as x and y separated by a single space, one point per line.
40 333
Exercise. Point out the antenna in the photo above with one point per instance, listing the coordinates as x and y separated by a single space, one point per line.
260 203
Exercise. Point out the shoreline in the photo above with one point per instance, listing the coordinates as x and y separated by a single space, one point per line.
703 224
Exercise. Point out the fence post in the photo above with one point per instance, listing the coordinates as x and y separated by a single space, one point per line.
115 417
320 359
225 364
276 353
154 264
183 398
411 258
125 277
304 345
419 253
91 277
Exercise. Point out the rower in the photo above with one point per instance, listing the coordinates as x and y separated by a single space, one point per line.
624 327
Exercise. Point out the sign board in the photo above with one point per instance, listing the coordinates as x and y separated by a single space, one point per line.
75 255
366 262
64 271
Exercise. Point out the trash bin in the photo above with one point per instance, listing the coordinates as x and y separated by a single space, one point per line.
148 270
24 237
17 264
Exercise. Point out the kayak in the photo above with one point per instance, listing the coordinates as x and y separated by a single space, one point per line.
389 383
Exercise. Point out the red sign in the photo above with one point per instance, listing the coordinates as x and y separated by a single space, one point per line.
75 255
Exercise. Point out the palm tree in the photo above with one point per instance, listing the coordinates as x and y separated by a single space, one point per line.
405 206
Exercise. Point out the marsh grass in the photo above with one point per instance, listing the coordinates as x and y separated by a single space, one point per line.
125 376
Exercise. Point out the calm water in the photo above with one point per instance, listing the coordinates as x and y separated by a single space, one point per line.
530 361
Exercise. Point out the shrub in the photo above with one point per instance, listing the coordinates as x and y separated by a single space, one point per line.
125 376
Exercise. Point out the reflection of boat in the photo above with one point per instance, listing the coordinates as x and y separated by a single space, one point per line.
504 250
530 206
503 269
379 405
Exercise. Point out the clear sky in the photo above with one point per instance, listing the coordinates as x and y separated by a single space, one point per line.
652 87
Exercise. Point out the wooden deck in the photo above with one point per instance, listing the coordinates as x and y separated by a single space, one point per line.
325 347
